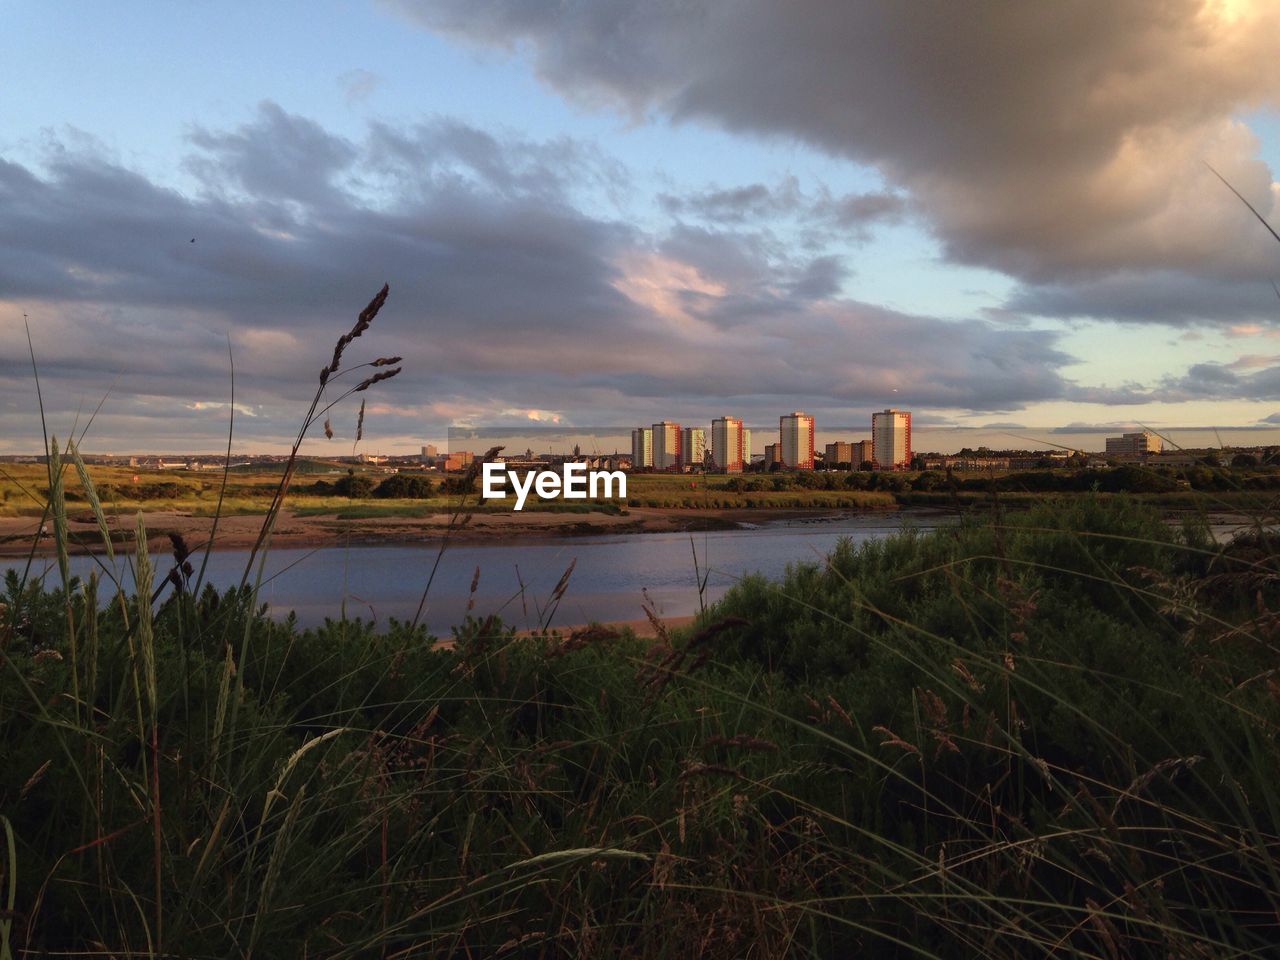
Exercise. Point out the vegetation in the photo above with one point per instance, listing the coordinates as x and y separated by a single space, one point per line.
353 485
1053 734
1245 485
405 486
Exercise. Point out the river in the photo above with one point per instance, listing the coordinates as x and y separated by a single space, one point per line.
611 576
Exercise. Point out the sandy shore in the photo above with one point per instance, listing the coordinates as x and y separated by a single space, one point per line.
239 532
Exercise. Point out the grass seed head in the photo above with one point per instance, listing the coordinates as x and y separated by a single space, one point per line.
376 378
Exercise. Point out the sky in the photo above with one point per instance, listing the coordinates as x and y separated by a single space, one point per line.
1008 218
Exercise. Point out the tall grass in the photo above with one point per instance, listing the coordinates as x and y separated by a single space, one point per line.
1050 735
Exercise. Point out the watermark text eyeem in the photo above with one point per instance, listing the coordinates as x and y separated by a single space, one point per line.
573 482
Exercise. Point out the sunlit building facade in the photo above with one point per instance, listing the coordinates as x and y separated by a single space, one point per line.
891 439
726 445
795 440
641 448
666 446
1134 445
693 446
837 453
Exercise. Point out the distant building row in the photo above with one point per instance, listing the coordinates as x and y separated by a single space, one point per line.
668 446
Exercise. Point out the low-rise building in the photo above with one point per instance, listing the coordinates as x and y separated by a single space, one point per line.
837 453
458 460
1134 445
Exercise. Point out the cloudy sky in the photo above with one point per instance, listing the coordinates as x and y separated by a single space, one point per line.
1003 216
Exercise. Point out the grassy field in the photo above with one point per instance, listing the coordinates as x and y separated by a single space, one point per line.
23 489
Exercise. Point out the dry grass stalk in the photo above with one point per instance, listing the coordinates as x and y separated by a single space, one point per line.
460 517
475 583
582 638
891 739
362 324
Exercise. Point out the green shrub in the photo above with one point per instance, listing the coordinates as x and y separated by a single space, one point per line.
354 485
405 486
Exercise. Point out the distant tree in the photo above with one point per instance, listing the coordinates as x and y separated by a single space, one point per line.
1136 480
917 462
928 480
866 465
354 485
403 486
458 485
1244 460
893 482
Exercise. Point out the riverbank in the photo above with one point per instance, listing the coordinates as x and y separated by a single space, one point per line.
306 529
239 532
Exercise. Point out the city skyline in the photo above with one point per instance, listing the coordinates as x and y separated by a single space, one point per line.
722 213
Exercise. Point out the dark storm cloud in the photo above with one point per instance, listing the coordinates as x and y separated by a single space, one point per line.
506 295
1057 143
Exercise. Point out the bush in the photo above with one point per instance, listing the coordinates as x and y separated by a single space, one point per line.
354 485
405 486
